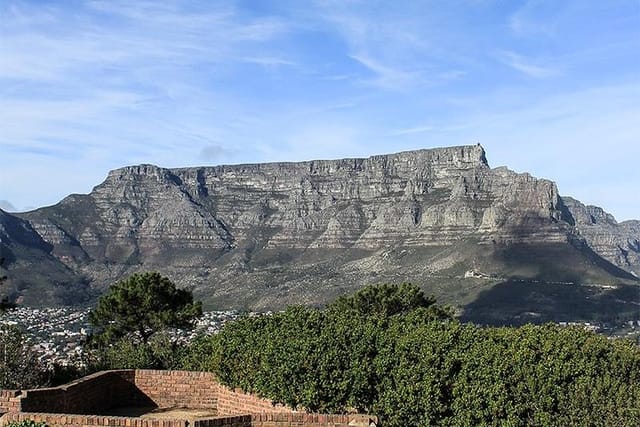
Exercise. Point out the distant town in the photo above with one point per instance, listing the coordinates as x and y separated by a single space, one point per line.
58 334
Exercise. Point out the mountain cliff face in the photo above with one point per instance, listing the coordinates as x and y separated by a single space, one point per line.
33 269
619 243
265 235
419 198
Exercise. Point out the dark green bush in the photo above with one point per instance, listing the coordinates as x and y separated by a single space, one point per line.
411 365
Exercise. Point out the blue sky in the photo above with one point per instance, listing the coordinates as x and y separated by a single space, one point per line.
550 87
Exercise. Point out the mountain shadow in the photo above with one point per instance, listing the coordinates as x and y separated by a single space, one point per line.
516 302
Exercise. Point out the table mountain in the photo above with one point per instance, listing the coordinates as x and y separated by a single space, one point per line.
260 236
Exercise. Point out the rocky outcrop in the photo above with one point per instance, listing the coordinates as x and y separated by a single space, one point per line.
619 243
16 231
264 235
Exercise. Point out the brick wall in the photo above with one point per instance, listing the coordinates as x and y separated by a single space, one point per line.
230 421
178 389
9 400
237 402
93 394
252 420
288 420
96 393
168 389
75 420
70 404
311 420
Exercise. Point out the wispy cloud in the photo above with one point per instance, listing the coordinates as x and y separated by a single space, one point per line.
526 65
385 76
395 51
536 18
101 76
338 77
269 61
146 32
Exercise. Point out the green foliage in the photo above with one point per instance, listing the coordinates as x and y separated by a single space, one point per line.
138 307
202 354
384 301
19 365
405 360
256 342
160 352
26 423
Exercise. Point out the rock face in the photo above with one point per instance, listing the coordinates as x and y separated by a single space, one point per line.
426 197
33 268
265 235
619 243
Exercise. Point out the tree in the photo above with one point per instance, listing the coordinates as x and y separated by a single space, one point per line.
385 300
19 364
138 307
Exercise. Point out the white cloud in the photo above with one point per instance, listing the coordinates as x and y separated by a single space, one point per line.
125 80
526 65
149 33
392 46
387 77
269 61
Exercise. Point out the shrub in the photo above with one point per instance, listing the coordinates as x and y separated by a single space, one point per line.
411 367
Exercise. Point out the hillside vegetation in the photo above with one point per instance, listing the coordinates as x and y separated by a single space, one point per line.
390 351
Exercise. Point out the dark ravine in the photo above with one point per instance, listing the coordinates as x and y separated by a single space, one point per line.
262 236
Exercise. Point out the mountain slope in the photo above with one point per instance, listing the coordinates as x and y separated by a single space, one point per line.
37 277
618 243
266 235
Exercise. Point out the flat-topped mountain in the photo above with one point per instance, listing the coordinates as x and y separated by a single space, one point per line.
262 236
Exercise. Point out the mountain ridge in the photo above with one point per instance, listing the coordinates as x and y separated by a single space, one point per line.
258 235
